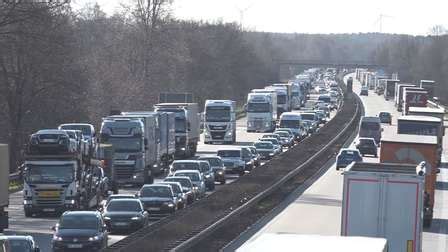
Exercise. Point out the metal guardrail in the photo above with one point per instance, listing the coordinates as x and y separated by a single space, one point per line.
187 244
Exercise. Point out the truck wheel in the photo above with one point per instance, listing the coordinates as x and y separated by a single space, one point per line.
241 173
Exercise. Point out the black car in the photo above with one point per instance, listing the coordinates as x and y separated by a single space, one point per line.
181 197
385 117
125 215
80 230
158 199
367 146
22 243
217 166
187 187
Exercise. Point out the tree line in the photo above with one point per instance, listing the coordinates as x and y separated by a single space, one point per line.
58 65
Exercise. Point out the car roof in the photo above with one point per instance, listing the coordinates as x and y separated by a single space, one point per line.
178 177
19 237
366 138
155 185
120 195
52 131
86 213
127 199
186 161
187 171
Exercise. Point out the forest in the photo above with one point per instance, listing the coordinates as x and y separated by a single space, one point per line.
59 65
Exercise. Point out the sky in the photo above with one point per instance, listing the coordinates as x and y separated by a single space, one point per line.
413 17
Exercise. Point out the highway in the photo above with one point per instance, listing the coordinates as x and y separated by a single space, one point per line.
317 209
40 227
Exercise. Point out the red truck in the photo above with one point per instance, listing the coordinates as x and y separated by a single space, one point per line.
414 149
414 98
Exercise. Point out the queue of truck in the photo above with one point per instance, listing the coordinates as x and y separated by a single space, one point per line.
401 187
74 168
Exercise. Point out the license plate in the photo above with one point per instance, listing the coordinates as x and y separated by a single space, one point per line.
154 209
48 209
121 224
74 245
49 194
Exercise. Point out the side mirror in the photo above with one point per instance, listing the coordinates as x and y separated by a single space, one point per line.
438 171
53 228
37 249
136 195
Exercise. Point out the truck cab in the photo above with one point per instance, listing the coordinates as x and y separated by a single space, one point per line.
261 111
131 159
220 121
283 103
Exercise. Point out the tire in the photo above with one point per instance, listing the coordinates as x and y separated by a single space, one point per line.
223 182
241 173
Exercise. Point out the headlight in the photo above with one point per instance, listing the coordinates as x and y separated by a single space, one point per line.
195 188
169 204
183 148
27 202
94 238
207 176
220 172
106 218
229 133
57 238
271 154
136 218
70 202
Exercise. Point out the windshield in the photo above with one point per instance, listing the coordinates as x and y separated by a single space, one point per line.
217 114
125 144
156 191
366 141
49 173
281 99
309 117
19 245
258 107
272 140
265 145
294 124
124 206
325 99
185 166
282 134
192 176
229 153
183 182
180 125
213 161
78 221
349 154
86 130
370 125
176 189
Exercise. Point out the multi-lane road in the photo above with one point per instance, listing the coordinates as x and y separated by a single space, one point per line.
40 227
317 209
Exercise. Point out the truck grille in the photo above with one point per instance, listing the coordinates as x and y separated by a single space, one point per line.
215 127
49 197
217 135
124 172
228 164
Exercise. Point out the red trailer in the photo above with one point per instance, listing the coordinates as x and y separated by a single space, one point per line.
414 98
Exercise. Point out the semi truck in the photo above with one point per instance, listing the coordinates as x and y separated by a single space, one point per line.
261 110
220 121
288 87
412 149
384 200
135 145
389 88
399 95
298 96
428 85
4 186
414 98
186 125
282 99
422 125
57 179
427 111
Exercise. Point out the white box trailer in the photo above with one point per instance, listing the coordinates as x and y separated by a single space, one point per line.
313 243
384 200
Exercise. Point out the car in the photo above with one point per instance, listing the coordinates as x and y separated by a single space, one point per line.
125 214
21 243
233 160
50 141
286 138
248 157
321 115
273 135
346 156
255 155
180 195
385 117
187 187
4 244
158 199
196 179
88 132
217 167
80 230
367 146
364 91
119 196
277 145
266 149
208 174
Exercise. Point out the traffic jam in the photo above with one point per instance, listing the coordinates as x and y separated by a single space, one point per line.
142 166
